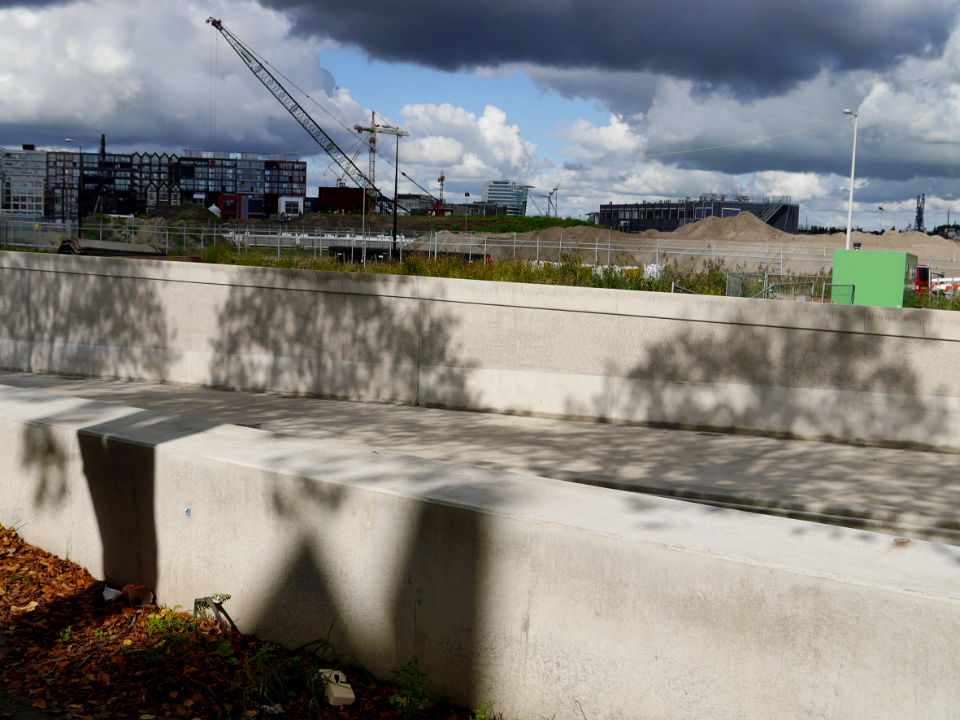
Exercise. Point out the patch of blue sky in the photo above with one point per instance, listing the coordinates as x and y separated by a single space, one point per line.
387 87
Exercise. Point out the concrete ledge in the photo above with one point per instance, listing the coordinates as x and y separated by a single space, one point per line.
525 590
882 419
860 375
922 324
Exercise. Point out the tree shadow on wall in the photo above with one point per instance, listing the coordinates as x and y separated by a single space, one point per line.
318 341
64 320
736 378
349 345
400 581
360 345
767 358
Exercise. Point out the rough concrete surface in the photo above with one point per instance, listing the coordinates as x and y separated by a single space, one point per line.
527 590
867 375
897 491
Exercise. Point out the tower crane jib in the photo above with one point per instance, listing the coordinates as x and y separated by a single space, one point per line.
298 113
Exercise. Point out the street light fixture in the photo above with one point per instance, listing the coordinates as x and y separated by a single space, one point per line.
853 165
79 183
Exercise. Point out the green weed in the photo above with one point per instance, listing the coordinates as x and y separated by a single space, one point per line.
485 711
65 636
273 675
175 630
410 698
14 578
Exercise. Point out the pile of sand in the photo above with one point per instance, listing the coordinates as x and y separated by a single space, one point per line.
737 234
745 227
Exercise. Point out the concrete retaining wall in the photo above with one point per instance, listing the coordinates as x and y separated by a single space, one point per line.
531 592
856 374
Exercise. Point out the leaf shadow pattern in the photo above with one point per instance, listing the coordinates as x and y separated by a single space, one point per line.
44 455
740 377
409 590
66 317
84 316
312 338
841 386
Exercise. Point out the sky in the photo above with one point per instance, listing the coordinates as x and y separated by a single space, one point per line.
609 102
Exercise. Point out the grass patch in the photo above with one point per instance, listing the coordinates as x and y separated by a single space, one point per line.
711 279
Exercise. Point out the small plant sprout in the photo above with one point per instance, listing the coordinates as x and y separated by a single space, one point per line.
65 636
410 699
485 711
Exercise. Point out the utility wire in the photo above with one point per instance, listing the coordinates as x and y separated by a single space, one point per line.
280 73
350 130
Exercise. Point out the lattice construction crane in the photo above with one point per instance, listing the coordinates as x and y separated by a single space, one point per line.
300 115
383 130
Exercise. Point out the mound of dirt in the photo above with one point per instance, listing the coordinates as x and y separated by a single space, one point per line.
745 227
890 240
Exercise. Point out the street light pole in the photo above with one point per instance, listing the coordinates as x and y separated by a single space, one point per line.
387 130
396 180
79 185
466 210
853 166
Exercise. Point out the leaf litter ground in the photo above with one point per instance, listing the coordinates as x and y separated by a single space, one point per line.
66 651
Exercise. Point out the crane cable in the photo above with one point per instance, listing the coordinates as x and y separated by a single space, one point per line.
280 73
304 92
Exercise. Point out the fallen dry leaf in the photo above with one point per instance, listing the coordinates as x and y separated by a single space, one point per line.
117 663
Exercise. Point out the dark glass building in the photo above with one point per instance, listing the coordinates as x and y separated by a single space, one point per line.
254 183
668 215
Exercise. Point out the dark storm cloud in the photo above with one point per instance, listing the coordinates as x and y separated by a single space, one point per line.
880 155
32 4
283 135
751 46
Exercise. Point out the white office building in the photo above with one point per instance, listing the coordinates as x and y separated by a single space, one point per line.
507 192
22 179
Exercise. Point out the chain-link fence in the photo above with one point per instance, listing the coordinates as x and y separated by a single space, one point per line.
796 260
770 286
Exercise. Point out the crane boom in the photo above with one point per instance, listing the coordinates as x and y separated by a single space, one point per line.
299 114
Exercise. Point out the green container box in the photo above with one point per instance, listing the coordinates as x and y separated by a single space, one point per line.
880 279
